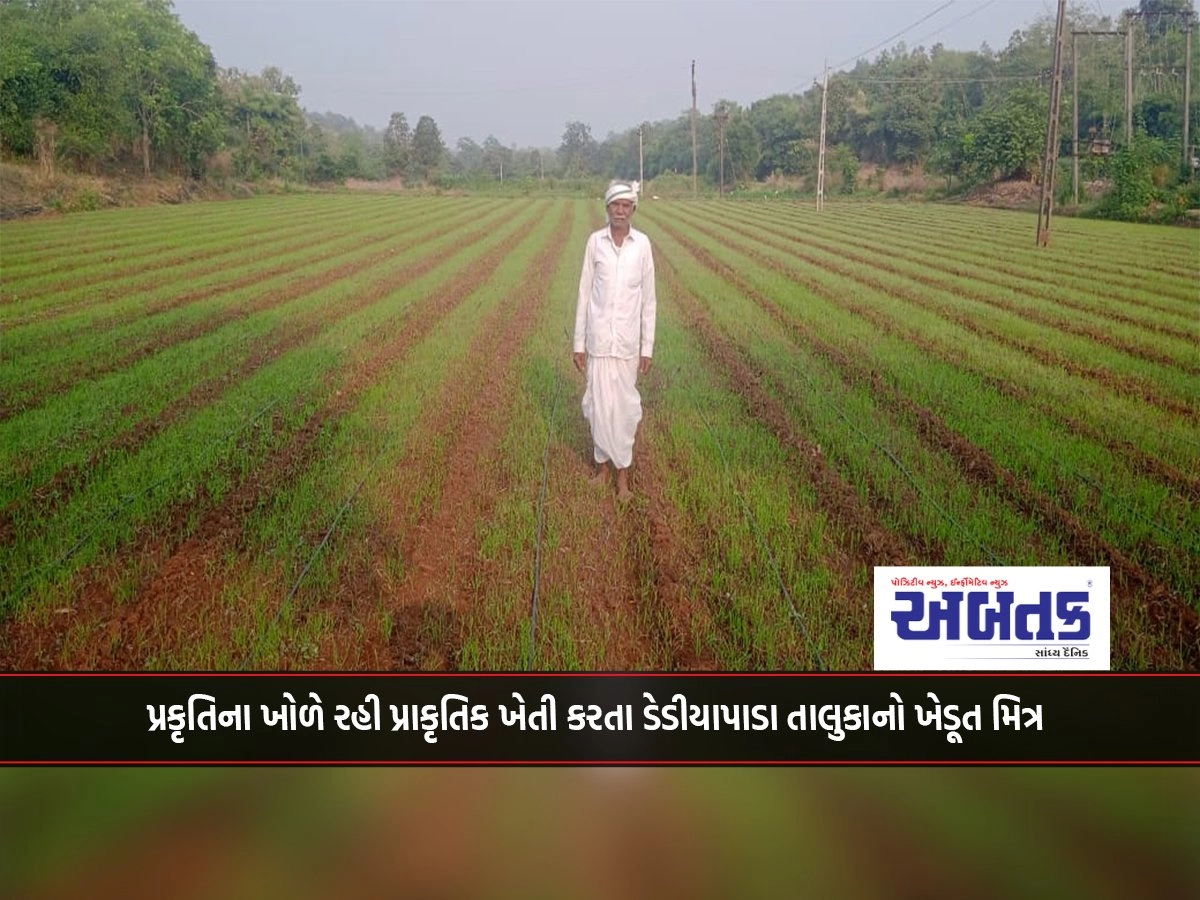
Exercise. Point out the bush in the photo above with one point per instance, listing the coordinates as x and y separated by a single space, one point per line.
1134 189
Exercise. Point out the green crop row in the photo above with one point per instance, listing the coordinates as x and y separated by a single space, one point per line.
1073 297
39 363
198 452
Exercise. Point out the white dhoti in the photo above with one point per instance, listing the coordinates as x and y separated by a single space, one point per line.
613 407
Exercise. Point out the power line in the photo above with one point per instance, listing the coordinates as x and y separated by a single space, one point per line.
902 31
977 9
1033 76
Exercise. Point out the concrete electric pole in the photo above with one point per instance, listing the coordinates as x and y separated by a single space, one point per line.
693 128
1046 208
722 117
641 166
821 150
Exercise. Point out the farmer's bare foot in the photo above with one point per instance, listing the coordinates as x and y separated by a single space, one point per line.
600 476
623 492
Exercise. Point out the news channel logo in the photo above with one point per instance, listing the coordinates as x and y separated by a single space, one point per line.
992 618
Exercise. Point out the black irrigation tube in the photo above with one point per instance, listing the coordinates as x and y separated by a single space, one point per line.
128 501
899 465
1100 487
764 544
541 509
287 601
891 456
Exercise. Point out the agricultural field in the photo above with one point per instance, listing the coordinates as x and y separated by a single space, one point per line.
340 431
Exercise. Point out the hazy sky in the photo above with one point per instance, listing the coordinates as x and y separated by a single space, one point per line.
522 70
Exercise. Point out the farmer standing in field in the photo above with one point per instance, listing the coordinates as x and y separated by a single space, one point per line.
614 333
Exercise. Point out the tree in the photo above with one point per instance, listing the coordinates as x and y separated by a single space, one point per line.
1160 16
397 141
776 121
428 151
170 81
1007 139
89 79
265 125
468 156
577 151
496 157
743 151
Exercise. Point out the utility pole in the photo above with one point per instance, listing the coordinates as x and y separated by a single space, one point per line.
1128 79
1075 81
693 128
641 167
1187 97
821 150
1075 118
722 117
1047 205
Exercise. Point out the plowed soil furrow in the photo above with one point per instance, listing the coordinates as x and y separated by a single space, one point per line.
330 246
118 233
145 264
1176 623
1176 620
1101 285
684 620
1049 269
1133 386
870 542
178 603
289 336
153 344
1186 485
597 567
440 548
182 248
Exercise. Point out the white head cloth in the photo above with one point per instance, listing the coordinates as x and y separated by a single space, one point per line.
621 190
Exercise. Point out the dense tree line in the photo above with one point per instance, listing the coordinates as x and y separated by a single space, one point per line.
123 85
119 85
971 116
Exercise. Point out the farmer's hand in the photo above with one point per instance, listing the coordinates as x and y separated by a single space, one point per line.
580 361
644 365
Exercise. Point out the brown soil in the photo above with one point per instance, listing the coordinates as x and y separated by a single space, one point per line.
674 551
1187 485
869 543
601 568
180 601
1121 384
290 335
440 548
1175 621
153 344
1020 194
1102 283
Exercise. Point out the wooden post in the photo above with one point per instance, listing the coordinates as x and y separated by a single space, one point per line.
821 149
1046 208
1187 98
641 166
1128 80
1075 117
693 128
722 116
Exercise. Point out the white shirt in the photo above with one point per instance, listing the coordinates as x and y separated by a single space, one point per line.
617 299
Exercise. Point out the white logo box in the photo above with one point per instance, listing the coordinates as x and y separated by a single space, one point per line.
1046 611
